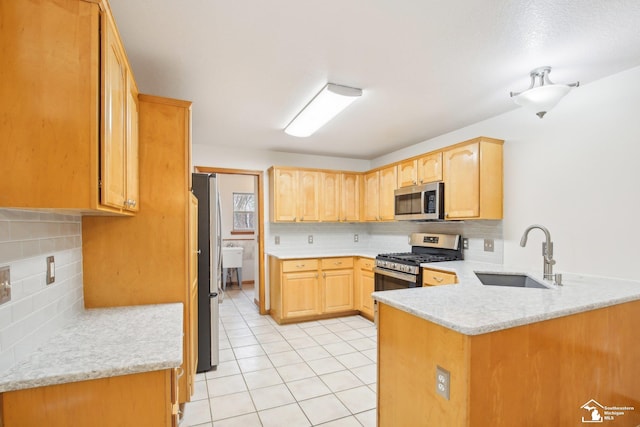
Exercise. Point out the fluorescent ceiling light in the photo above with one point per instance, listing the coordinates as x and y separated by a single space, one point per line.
323 107
542 98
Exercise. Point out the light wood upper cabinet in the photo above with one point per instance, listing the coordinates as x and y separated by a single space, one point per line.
350 196
329 196
379 187
407 173
311 195
132 154
283 185
294 195
429 168
308 195
371 203
65 114
388 185
472 173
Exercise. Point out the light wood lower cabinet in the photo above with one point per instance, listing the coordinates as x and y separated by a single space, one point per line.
431 277
509 377
365 286
337 284
144 399
306 289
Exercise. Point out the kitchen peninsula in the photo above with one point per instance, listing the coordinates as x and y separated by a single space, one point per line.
514 356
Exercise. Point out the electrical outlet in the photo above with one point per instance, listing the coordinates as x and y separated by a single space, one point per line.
277 238
5 284
488 245
356 238
51 270
310 238
465 243
443 382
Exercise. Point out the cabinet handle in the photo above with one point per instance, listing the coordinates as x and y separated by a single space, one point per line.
199 251
337 263
438 279
414 182
294 219
324 274
301 218
316 275
300 265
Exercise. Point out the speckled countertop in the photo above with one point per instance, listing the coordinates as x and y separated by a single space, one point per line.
104 342
472 308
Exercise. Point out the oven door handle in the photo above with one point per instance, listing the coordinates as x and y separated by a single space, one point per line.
396 274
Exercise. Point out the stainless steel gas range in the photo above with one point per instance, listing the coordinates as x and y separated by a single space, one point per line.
402 270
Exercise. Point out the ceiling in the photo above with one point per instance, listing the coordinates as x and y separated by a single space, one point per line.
426 67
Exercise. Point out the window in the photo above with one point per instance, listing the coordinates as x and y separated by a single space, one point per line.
244 209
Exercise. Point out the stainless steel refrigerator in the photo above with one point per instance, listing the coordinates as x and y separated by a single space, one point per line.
209 269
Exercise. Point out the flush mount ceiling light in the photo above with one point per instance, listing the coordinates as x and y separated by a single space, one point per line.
323 107
544 97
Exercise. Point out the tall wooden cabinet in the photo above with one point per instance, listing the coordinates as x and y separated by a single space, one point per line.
68 116
149 258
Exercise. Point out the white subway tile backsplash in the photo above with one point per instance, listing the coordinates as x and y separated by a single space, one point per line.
36 311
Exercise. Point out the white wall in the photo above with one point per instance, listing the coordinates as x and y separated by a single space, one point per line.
36 310
576 171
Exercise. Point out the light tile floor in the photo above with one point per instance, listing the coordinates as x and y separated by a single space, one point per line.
320 373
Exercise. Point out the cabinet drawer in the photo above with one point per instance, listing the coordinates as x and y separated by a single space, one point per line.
367 264
435 277
333 263
299 265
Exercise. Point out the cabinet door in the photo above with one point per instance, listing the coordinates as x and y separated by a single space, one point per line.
285 190
407 173
300 294
366 287
308 195
131 156
112 144
371 198
430 168
462 181
350 195
338 290
388 185
330 196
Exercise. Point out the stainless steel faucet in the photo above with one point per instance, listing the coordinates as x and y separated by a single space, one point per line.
547 253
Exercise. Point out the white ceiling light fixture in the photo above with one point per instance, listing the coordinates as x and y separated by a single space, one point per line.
331 100
544 97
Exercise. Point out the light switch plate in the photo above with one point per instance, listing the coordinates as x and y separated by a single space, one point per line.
443 382
51 270
5 284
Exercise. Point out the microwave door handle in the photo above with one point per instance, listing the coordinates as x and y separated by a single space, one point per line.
396 275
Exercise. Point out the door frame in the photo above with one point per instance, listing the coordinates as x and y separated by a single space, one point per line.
260 216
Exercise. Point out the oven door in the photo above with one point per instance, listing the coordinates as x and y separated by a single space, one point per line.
387 280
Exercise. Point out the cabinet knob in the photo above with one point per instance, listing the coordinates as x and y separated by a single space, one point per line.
438 279
198 251
301 218
324 274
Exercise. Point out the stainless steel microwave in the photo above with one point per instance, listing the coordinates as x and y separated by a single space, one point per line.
424 202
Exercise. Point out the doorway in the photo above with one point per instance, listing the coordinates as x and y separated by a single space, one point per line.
244 237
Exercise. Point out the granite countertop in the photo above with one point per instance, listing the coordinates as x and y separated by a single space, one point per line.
472 308
322 253
104 342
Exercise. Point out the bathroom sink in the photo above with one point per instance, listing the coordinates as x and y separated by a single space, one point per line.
513 280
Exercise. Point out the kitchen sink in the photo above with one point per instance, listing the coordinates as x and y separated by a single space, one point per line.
513 280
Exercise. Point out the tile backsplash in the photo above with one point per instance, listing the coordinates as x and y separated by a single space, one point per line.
385 236
38 310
